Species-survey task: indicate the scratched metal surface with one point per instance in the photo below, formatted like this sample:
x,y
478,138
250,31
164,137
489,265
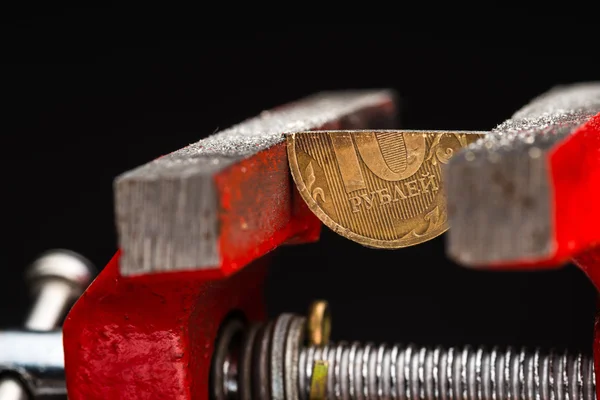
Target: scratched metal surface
x,y
166,210
498,189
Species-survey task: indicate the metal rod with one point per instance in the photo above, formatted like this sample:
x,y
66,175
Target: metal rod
x,y
57,278
365,372
380,372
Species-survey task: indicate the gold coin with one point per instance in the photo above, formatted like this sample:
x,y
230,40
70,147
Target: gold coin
x,y
382,189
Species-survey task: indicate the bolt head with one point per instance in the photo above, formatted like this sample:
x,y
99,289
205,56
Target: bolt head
x,y
60,264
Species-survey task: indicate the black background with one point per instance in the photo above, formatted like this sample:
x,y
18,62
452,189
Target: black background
x,y
89,94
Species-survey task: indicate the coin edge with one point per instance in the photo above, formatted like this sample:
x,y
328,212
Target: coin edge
x,y
335,226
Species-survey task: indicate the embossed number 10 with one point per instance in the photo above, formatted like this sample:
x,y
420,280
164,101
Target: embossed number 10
x,y
392,156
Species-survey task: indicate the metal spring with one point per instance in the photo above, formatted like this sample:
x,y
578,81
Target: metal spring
x,y
365,372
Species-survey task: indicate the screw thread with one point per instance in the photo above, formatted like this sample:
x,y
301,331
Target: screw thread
x,y
365,372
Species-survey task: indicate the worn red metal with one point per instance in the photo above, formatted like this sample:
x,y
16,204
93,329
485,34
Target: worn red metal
x,y
152,336
589,262
575,166
575,172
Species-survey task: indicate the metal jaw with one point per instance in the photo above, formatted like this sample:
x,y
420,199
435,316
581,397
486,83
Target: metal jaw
x,y
524,194
169,211
195,228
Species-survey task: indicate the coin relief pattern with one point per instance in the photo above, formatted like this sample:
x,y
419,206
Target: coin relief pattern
x,y
382,189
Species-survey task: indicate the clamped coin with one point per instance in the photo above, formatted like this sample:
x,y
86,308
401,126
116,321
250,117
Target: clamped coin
x,y
178,312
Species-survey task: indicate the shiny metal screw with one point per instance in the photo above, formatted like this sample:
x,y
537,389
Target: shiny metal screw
x,y
56,278
376,372
300,370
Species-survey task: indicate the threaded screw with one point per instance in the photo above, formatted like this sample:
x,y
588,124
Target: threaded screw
x,y
366,372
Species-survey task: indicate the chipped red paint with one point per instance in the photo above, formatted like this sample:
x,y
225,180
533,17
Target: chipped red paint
x,y
257,209
575,166
152,337
589,262
575,173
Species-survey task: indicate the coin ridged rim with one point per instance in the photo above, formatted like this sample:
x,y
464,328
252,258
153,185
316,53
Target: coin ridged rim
x,y
335,226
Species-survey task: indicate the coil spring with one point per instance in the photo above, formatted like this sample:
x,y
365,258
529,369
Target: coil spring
x,y
365,372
